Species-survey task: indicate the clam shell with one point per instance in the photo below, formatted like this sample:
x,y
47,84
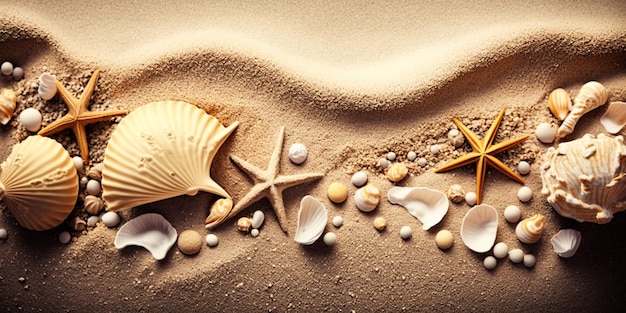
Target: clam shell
x,y
161,150
429,206
8,101
39,183
614,119
312,219
591,95
559,103
479,228
151,231
565,243
529,230
367,197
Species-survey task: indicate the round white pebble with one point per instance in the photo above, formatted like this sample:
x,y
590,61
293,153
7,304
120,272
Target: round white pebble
x,y
512,213
6,68
258,217
18,73
337,221
529,260
359,179
383,162
411,156
78,163
500,250
525,194
490,262
3,234
211,240
406,232
434,149
297,153
93,187
422,162
65,237
93,220
545,133
523,167
391,156
31,119
254,232
470,198
330,239
516,255
110,219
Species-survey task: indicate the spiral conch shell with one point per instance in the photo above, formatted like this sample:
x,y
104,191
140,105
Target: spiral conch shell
x,y
39,183
162,150
584,179
591,95
529,230
559,103
8,101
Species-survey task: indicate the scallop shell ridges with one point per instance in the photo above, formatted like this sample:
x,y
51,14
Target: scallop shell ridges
x,y
162,150
8,101
566,242
151,231
614,119
427,205
559,103
479,228
312,219
529,230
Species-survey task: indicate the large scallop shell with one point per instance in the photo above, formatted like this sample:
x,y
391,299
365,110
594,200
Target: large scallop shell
x,y
479,228
151,231
39,183
591,95
8,101
584,178
614,119
161,150
427,205
559,103
312,219
529,230
566,242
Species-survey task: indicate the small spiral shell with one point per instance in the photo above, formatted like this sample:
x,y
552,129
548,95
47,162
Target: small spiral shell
x,y
93,205
367,197
559,103
8,101
529,230
591,95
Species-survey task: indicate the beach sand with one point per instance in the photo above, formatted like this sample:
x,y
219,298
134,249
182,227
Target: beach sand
x,y
352,81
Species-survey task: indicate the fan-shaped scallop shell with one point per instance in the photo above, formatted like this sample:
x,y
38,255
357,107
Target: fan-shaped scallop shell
x,y
8,101
584,178
312,219
566,242
559,103
529,230
427,205
151,231
591,95
614,119
39,183
161,150
479,228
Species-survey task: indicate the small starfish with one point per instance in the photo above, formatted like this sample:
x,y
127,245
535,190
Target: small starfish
x,y
268,184
78,116
482,154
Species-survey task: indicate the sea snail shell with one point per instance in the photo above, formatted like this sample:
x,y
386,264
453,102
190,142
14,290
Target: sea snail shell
x,y
367,197
529,230
8,101
591,95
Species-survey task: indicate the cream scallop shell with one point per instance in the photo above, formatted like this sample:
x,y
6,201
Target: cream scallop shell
x,y
529,230
312,219
161,150
8,101
39,183
614,119
591,95
566,242
427,205
559,103
479,228
151,231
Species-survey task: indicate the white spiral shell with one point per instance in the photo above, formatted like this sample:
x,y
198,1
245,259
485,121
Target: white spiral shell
x,y
591,95
529,230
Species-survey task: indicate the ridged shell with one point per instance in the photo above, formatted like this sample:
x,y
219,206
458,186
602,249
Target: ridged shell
x,y
312,219
397,172
427,205
479,228
367,197
559,103
8,101
93,205
529,230
161,150
47,86
584,179
614,119
566,242
151,231
39,183
591,95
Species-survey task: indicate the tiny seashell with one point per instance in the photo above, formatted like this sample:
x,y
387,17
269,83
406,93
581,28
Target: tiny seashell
x,y
397,172
591,95
8,101
257,219
312,219
367,197
220,207
529,230
78,224
614,119
93,205
559,103
95,171
359,179
429,206
47,86
380,223
456,193
298,153
31,119
244,224
151,231
479,228
566,242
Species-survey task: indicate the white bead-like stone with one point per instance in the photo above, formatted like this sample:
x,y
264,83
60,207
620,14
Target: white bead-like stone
x,y
330,239
78,163
383,163
93,187
359,179
110,219
211,240
422,162
337,221
529,260
523,167
65,237
525,194
516,255
406,232
255,232
411,156
391,156
512,213
31,119
545,133
490,262
257,219
298,153
500,250
93,220
6,68
470,198
18,73
434,149
3,234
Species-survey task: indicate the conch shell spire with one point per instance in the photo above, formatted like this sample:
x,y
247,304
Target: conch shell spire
x,y
591,95
529,230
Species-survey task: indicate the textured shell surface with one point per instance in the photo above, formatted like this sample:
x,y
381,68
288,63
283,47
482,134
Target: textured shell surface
x,y
47,86
162,150
151,231
584,179
397,172
566,242
559,103
479,228
39,183
367,197
614,119
529,230
429,206
592,95
312,219
8,101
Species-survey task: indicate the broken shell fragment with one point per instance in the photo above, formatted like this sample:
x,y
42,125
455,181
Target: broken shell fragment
x,y
78,224
367,197
456,193
429,206
529,230
559,103
151,231
397,172
312,219
8,101
566,242
479,228
614,119
591,95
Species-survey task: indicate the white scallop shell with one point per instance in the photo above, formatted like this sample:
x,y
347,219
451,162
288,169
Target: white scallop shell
x,y
614,119
47,86
8,101
479,228
429,206
39,183
151,231
565,243
161,150
591,95
312,219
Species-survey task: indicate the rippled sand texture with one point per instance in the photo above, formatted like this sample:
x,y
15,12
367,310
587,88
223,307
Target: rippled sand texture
x,y
352,81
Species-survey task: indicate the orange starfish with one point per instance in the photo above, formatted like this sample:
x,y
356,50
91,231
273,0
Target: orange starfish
x,y
78,116
482,154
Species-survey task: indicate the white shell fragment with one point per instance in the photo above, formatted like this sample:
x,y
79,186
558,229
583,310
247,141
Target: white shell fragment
x,y
312,219
545,133
367,197
151,231
31,119
614,119
479,228
566,242
257,219
429,206
110,219
298,153
591,95
47,86
359,179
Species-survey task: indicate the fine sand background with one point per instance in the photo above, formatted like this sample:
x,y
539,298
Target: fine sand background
x,y
352,81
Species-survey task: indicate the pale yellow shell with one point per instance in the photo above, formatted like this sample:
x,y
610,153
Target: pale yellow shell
x,y
529,230
162,150
39,183
591,95
397,172
8,101
559,103
93,205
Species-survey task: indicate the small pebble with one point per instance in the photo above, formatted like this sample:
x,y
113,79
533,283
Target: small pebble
x,y
297,153
65,237
31,119
456,193
545,133
512,213
434,149
359,179
110,219
6,68
444,239
211,240
455,137
422,162
500,250
18,73
93,220
258,217
330,239
254,232
525,194
523,167
470,198
516,255
3,234
411,156
78,163
189,242
391,156
83,181
337,221
529,260
380,223
93,187
383,163
337,192
490,262
406,232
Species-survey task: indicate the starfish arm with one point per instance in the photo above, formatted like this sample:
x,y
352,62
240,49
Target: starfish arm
x,y
469,135
505,145
491,133
252,171
256,193
276,199
88,91
284,182
81,139
100,116
460,161
481,171
274,166
68,98
60,124
497,164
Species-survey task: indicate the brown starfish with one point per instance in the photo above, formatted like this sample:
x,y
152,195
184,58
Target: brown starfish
x,y
482,154
268,184
78,116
